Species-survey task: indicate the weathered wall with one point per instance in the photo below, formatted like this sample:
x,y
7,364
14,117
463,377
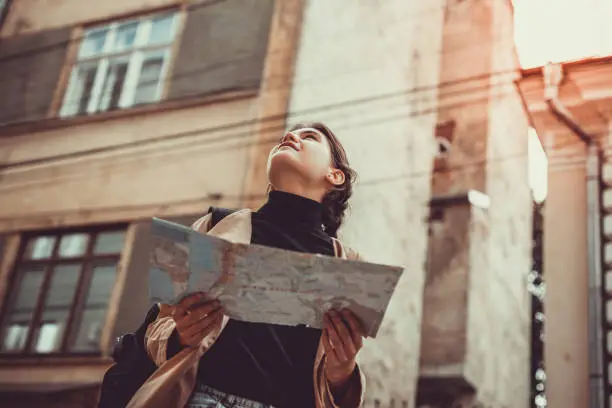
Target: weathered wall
x,y
116,169
33,15
462,121
486,345
357,70
55,374
500,355
33,71
129,167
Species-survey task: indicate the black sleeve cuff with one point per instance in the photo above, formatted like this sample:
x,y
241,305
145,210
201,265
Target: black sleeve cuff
x,y
174,345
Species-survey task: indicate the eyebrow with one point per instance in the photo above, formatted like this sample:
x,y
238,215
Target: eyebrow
x,y
311,130
303,130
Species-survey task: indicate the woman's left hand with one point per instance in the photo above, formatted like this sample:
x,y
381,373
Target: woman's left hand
x,y
342,339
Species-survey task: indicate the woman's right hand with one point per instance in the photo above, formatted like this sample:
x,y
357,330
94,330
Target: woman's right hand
x,y
195,318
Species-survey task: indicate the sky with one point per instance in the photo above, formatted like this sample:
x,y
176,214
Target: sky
x,y
561,30
558,31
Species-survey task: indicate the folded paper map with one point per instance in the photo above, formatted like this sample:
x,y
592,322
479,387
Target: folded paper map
x,y
263,284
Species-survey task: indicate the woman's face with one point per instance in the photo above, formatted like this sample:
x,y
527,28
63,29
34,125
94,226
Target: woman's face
x,y
305,152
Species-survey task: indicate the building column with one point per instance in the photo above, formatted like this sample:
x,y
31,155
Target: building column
x,y
566,339
274,95
475,329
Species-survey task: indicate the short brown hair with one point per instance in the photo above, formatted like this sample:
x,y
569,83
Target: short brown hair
x,y
335,202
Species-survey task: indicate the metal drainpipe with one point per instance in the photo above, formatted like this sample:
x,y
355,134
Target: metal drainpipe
x,y
553,75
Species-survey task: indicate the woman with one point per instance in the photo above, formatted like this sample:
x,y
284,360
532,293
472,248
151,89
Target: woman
x,y
241,364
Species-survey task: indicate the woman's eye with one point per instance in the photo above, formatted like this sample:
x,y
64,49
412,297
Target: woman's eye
x,y
310,137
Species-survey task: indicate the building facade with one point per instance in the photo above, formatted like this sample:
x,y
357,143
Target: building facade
x,y
576,245
115,112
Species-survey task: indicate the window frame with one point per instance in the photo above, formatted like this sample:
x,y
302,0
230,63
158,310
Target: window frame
x,y
135,55
5,6
86,263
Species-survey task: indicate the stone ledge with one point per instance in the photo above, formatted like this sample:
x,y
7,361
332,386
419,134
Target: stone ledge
x,y
441,390
457,235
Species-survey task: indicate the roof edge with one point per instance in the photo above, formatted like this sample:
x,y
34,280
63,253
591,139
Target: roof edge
x,y
537,71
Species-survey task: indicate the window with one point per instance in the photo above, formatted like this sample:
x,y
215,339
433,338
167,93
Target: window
x,y
60,291
120,65
4,6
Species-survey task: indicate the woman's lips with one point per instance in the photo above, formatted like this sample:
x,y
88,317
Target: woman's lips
x,y
289,144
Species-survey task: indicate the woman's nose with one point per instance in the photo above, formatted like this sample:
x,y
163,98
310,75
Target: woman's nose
x,y
290,136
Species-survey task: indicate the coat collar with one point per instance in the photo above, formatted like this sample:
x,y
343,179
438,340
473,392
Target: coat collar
x,y
237,228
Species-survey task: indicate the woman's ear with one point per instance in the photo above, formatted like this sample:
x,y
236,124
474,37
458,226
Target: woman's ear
x,y
336,177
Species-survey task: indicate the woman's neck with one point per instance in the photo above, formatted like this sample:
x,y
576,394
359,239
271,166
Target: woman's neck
x,y
289,183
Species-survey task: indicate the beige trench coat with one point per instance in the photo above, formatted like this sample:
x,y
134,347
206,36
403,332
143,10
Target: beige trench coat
x,y
172,383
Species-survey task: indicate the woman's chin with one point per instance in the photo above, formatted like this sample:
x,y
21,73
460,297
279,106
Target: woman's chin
x,y
283,160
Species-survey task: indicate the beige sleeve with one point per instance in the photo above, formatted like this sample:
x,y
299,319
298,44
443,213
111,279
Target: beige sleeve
x,y
202,225
159,332
354,394
353,255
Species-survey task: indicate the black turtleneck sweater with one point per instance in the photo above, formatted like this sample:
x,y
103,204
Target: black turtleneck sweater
x,y
272,364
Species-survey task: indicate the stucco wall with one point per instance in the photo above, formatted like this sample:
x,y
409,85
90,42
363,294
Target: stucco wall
x,y
500,351
117,166
356,71
485,294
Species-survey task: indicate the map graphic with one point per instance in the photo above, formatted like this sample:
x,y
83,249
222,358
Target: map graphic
x,y
266,285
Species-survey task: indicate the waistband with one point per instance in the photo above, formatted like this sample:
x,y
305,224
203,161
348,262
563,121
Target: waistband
x,y
224,398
